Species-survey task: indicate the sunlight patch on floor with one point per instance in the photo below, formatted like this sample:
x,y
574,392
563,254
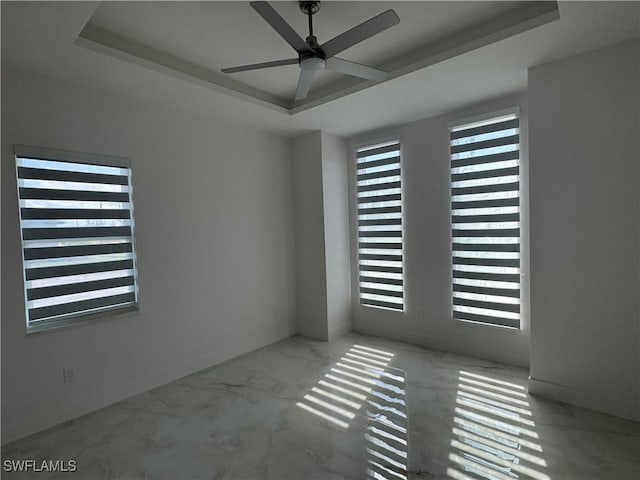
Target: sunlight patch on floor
x,y
494,435
363,377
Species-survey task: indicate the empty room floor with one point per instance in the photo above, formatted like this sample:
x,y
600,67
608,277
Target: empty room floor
x,y
357,407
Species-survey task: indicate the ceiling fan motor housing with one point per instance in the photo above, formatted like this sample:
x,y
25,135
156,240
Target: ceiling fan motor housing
x,y
313,57
314,48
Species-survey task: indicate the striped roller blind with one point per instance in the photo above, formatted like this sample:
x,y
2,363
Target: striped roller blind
x,y
380,226
78,250
485,208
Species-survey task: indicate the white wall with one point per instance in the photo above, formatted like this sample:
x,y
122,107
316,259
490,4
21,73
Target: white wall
x,y
322,235
427,319
585,153
311,276
336,228
214,237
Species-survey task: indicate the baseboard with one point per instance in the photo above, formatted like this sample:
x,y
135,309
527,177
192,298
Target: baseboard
x,y
582,398
440,344
72,410
428,341
339,331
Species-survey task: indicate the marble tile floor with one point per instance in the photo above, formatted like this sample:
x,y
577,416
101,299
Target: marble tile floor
x,y
356,408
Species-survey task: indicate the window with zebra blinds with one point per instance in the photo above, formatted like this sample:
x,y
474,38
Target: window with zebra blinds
x,y
76,218
380,246
485,219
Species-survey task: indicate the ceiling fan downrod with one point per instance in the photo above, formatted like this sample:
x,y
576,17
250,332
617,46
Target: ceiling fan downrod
x,y
313,57
309,8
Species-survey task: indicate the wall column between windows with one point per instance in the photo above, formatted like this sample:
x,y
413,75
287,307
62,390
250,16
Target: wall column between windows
x,y
321,215
427,318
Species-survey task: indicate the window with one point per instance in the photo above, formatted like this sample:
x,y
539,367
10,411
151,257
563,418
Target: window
x,y
485,209
380,226
76,219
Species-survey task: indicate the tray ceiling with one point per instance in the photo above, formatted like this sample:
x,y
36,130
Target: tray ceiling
x,y
197,39
462,64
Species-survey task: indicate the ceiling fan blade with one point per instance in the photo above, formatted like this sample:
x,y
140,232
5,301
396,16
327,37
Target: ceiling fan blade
x,y
274,19
304,83
257,66
363,31
355,69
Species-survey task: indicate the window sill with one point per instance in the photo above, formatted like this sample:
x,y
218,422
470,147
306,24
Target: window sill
x,y
81,320
386,309
485,324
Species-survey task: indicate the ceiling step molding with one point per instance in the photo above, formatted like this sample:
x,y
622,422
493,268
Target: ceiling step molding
x,y
522,18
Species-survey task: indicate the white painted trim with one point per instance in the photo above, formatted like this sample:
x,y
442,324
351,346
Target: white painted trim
x,y
339,331
83,317
529,16
515,350
523,194
602,402
107,43
373,141
484,116
26,151
377,140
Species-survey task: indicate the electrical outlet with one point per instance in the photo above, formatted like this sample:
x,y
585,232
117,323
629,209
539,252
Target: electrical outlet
x,y
67,375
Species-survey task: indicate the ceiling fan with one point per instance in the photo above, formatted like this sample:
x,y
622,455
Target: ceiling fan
x,y
313,57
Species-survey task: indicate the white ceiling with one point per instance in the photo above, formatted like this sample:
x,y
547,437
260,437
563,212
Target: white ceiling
x,y
202,32
40,37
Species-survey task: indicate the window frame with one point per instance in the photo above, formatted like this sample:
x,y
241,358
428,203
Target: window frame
x,y
81,317
523,215
370,144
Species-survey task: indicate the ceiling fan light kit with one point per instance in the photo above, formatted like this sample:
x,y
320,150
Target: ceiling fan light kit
x,y
313,64
313,57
